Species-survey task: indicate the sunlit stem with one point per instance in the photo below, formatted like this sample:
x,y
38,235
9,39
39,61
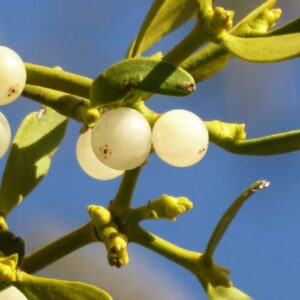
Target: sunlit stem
x,y
56,78
196,38
69,105
122,200
228,216
186,258
60,248
150,115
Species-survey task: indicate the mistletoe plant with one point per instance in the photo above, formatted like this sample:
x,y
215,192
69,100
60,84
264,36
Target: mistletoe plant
x,y
119,133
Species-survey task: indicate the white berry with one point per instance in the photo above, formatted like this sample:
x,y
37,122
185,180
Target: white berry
x,y
88,161
12,75
121,138
5,135
180,138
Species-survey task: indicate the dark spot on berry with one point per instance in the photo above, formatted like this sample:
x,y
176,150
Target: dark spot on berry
x,y
13,90
201,150
105,151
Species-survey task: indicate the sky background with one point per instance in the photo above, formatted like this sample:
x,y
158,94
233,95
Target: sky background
x,y
262,245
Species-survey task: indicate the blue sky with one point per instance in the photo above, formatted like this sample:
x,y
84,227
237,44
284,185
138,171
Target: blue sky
x,y
261,246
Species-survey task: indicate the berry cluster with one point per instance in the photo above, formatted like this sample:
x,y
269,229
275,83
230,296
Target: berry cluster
x,y
12,83
122,140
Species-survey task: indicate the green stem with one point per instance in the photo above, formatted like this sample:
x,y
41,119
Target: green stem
x,y
58,79
69,105
150,115
268,145
122,200
186,258
227,218
60,248
136,215
196,38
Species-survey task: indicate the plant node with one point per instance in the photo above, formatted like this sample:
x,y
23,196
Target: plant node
x,y
8,267
217,20
108,232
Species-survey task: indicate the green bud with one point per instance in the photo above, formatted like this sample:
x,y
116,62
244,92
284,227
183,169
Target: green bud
x,y
218,20
99,215
117,252
169,207
221,131
261,24
90,116
8,267
108,231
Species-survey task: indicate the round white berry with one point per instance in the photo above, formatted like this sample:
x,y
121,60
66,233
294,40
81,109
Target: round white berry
x,y
5,135
88,161
180,138
12,75
121,138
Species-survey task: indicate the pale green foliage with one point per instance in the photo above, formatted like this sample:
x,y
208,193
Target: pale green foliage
x,y
263,49
36,140
140,75
37,288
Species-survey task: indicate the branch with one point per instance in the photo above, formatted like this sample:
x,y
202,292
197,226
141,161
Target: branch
x,y
56,78
60,248
66,104
122,200
186,258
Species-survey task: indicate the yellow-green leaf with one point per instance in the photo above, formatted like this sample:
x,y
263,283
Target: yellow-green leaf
x,y
140,75
36,140
224,293
263,49
207,62
163,17
38,288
